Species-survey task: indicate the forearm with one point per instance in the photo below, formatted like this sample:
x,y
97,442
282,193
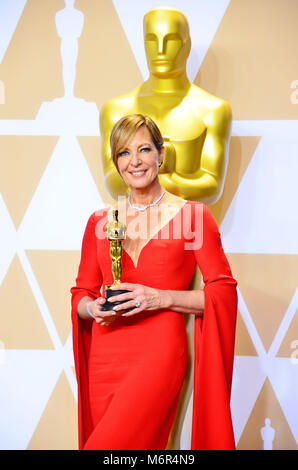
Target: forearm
x,y
204,188
191,302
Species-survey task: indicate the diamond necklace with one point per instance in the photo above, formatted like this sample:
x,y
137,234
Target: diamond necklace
x,y
143,208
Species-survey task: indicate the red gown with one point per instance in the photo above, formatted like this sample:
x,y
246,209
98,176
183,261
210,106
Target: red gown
x,y
130,374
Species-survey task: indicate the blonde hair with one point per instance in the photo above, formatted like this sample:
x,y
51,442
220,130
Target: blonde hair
x,y
125,129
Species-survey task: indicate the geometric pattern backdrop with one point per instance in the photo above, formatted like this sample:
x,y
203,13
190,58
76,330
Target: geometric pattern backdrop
x,y
58,64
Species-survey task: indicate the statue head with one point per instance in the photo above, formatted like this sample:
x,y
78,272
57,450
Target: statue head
x,y
167,41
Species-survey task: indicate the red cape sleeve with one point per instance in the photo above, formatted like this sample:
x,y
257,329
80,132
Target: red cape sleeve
x,y
88,283
214,338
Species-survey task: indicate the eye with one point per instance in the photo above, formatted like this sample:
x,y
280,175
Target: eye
x,y
124,153
146,149
150,37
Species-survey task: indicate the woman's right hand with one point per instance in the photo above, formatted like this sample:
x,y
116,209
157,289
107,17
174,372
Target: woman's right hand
x,y
101,317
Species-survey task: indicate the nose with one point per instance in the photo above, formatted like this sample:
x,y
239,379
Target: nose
x,y
135,161
160,45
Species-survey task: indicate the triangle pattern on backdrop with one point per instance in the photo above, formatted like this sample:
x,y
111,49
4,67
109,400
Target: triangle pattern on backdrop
x,y
241,151
267,407
98,80
64,200
250,85
26,87
259,276
57,428
24,329
18,153
56,273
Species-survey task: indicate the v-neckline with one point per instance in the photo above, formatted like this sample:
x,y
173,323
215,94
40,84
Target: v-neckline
x,y
154,236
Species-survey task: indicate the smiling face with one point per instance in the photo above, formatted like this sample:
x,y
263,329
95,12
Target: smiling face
x,y
167,42
138,162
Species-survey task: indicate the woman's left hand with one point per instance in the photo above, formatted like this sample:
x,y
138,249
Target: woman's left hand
x,y
139,298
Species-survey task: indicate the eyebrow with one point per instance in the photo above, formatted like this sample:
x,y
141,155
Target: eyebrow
x,y
142,145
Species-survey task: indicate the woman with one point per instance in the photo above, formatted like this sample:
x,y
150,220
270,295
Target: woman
x,y
131,361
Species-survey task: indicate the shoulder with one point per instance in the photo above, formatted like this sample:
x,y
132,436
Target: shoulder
x,y
97,216
211,103
95,227
208,98
115,108
202,214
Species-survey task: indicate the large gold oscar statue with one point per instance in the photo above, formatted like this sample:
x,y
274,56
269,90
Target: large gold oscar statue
x,y
195,126
194,123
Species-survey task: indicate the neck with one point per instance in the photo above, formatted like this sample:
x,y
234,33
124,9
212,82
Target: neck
x,y
157,84
143,196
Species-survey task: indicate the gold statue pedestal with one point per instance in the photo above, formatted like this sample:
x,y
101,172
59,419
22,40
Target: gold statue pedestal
x,y
108,306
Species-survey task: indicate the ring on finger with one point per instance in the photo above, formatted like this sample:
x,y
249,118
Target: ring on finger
x,y
137,303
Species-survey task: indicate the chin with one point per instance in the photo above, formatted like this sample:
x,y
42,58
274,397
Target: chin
x,y
140,184
165,71
161,72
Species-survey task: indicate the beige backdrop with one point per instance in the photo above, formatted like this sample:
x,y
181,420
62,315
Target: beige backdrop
x,y
51,181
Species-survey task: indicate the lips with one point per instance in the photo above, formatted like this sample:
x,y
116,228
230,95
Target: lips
x,y
160,62
138,173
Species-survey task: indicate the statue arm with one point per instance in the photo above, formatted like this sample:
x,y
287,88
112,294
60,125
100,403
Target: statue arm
x,y
113,181
206,185
202,188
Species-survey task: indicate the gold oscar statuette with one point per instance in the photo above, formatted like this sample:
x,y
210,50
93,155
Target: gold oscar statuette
x,y
115,232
